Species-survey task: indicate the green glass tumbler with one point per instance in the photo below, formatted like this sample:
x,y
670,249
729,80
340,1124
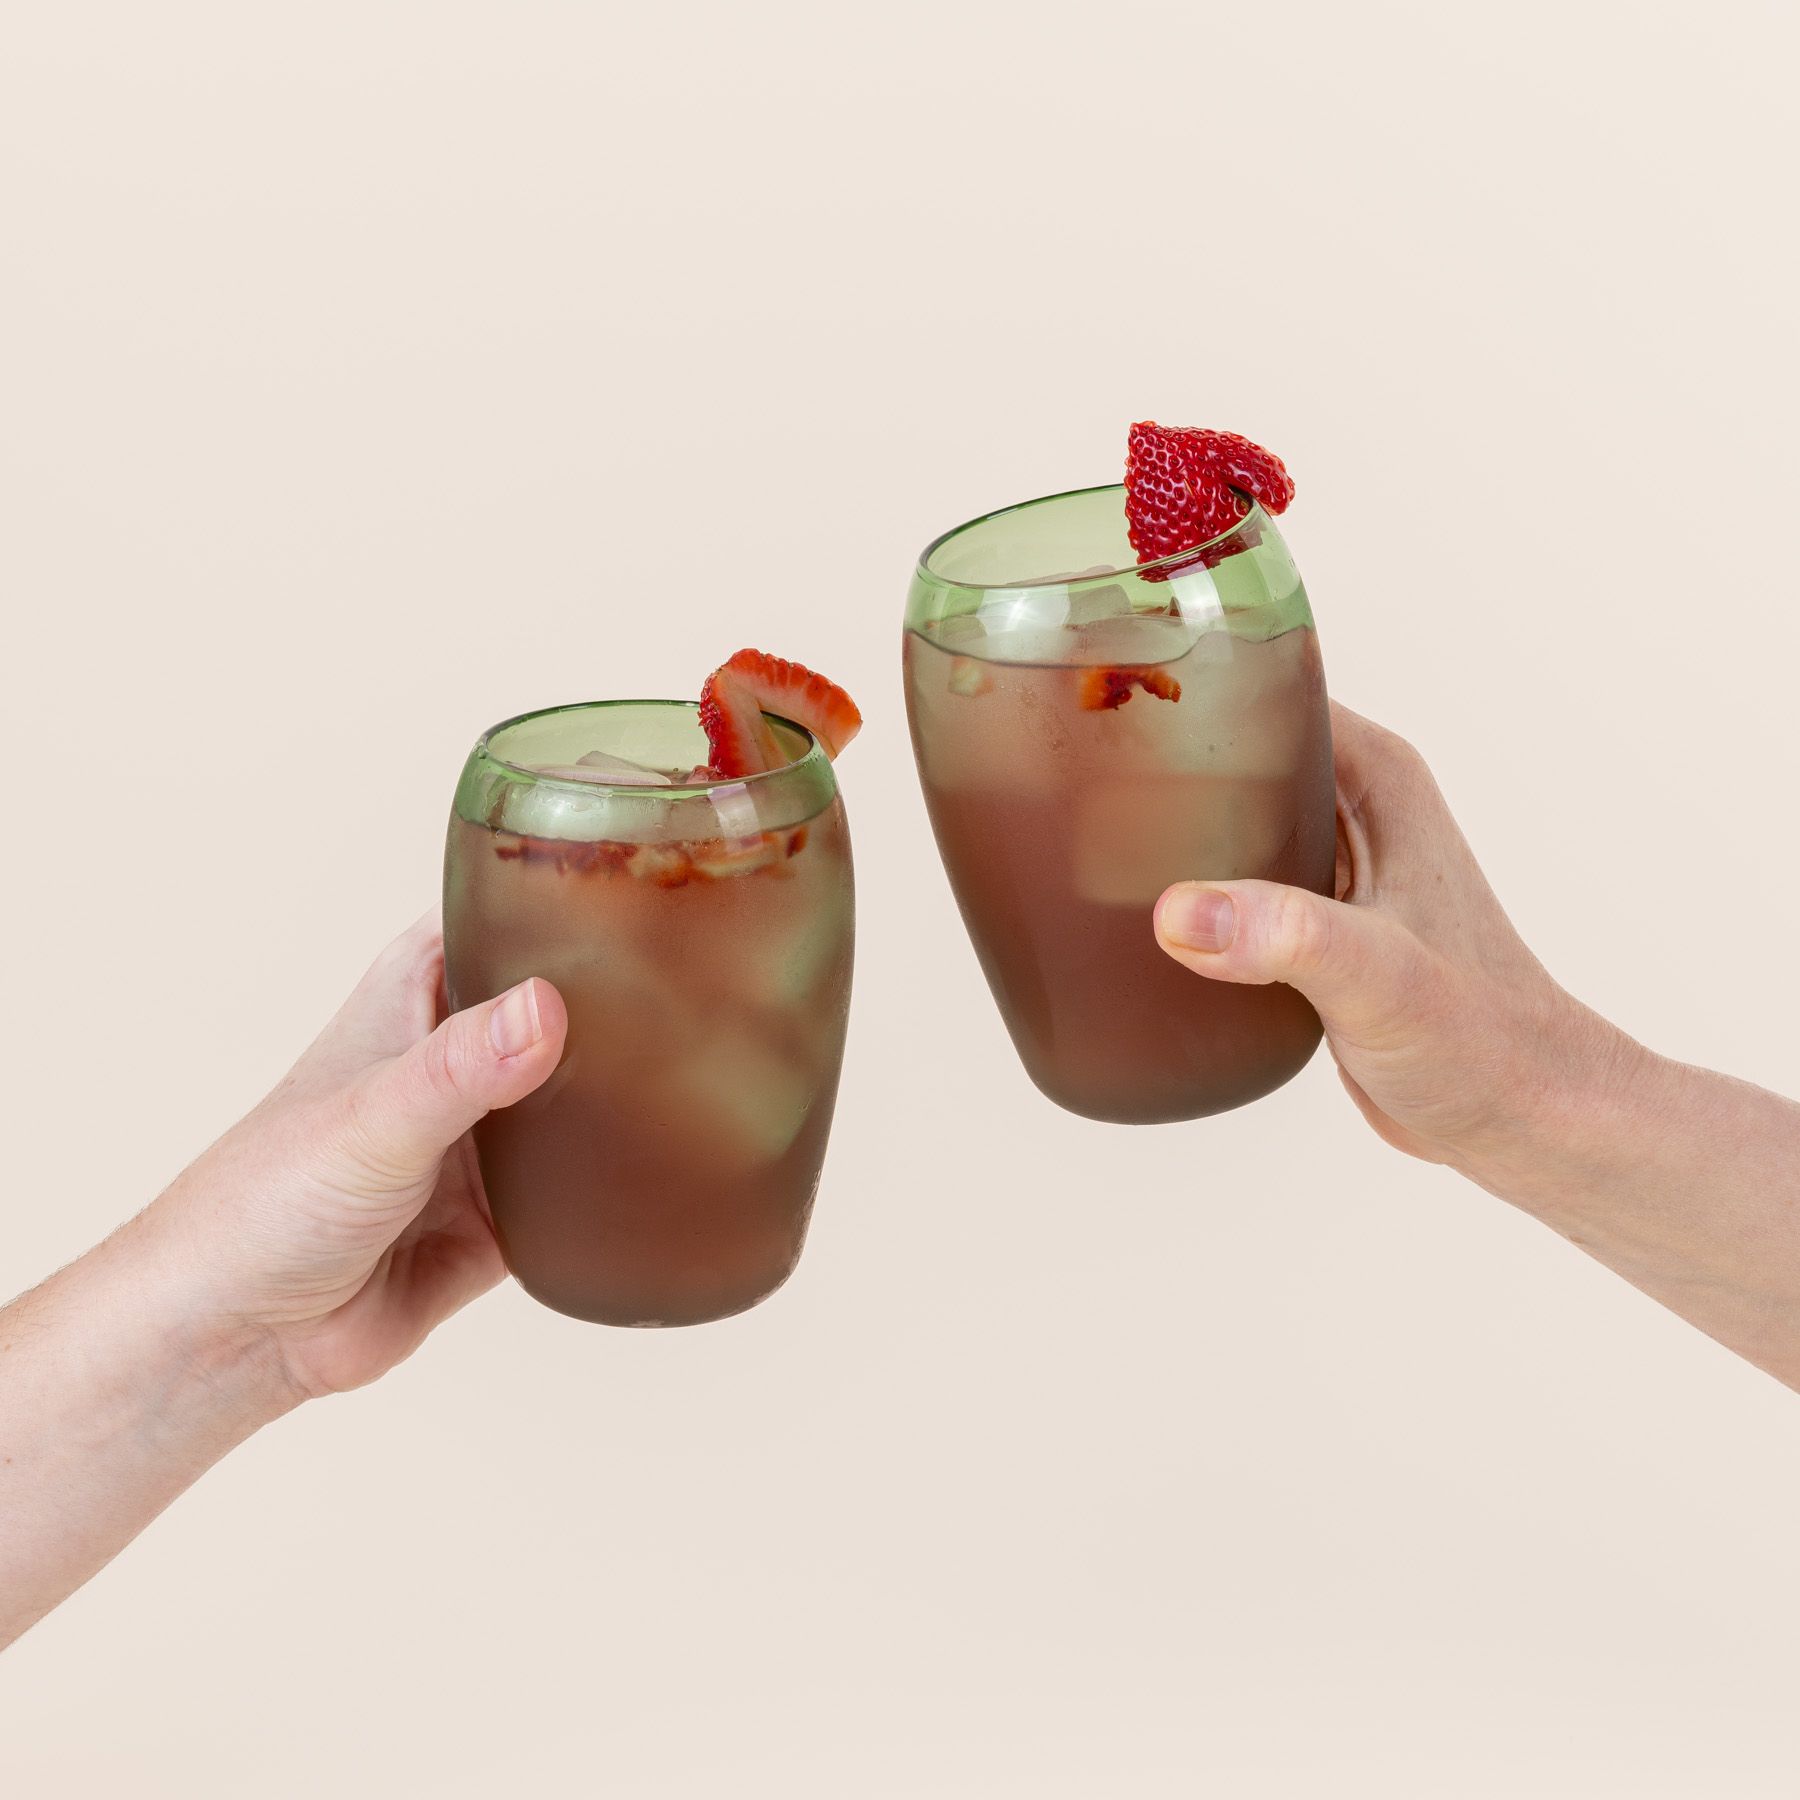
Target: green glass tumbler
x,y
700,934
1089,730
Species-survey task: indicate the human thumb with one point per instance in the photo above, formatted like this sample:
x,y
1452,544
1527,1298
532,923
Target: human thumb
x,y
1360,970
412,1108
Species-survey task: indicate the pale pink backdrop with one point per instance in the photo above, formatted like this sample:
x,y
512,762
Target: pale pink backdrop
x,y
370,372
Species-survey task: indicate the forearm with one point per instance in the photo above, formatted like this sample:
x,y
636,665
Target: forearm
x,y
114,1397
1685,1182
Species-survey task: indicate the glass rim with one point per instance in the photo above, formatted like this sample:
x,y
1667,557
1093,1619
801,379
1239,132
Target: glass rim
x,y
1179,559
814,754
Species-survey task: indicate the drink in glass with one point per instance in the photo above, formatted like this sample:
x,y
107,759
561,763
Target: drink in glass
x,y
699,929
1088,730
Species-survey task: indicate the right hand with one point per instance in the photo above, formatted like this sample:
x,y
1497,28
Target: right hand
x,y
1448,1033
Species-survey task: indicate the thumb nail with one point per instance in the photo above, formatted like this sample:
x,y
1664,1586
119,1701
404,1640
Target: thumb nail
x,y
513,1025
1200,919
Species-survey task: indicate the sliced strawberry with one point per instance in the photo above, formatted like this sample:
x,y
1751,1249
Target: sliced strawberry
x,y
1173,500
1103,690
1248,467
566,855
741,739
1184,486
753,683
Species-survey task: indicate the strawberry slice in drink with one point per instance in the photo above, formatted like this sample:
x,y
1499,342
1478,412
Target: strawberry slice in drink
x,y
1106,690
741,691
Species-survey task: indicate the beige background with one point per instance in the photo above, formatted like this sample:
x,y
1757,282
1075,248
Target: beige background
x,y
373,371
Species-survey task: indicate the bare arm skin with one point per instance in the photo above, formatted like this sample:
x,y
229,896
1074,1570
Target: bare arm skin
x,y
308,1251
319,1242
1459,1048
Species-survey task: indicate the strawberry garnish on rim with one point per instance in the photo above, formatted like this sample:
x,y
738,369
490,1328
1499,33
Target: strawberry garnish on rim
x,y
742,741
740,691
1184,485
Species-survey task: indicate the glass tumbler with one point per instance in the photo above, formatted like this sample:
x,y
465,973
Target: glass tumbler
x,y
1089,730
700,935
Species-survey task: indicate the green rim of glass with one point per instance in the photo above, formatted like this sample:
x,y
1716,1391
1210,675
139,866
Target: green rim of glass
x,y
1179,560
811,759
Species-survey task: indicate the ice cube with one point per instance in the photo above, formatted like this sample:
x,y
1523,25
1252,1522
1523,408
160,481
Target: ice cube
x,y
1214,645
743,1098
719,859
667,865
1028,625
534,809
1130,640
792,959
735,812
1133,839
1106,602
958,629
1073,575
599,812
969,677
1251,712
637,1020
597,765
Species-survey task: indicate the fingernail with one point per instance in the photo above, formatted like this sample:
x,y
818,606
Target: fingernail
x,y
513,1025
1200,919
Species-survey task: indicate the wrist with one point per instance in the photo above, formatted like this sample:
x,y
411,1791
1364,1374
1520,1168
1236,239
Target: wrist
x,y
220,1367
117,1391
1574,1118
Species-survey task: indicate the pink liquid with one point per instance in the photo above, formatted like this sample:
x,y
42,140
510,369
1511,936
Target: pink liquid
x,y
666,1172
1059,826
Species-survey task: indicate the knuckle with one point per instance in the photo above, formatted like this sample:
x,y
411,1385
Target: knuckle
x,y
1407,782
411,969
1302,931
392,960
420,984
414,956
354,1126
1402,752
445,1062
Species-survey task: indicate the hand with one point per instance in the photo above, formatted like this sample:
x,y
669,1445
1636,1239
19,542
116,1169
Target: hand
x,y
310,1249
1459,1048
343,1218
1448,1033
